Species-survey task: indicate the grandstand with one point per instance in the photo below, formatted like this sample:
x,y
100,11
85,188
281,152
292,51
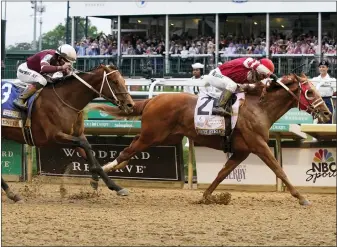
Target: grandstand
x,y
175,37
166,43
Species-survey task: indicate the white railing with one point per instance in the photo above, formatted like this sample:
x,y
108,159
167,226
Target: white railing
x,y
221,53
159,84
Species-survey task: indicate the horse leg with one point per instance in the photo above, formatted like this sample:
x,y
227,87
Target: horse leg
x,y
94,176
94,165
138,144
267,157
78,130
9,193
124,158
230,165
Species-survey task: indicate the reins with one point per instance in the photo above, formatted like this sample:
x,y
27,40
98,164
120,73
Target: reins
x,y
105,80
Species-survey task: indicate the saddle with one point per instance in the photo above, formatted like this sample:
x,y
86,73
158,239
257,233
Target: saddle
x,y
207,123
11,116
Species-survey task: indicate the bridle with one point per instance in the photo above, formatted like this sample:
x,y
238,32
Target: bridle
x,y
114,101
312,106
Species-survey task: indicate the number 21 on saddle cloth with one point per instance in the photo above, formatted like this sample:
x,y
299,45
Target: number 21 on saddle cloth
x,y
208,124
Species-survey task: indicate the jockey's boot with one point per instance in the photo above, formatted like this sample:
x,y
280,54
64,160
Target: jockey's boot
x,y
223,100
20,102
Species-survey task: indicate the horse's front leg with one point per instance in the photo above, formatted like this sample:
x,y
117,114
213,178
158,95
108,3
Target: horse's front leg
x,y
267,157
93,163
79,131
94,176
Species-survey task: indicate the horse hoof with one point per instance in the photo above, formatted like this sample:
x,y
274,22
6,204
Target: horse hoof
x,y
94,184
123,192
305,203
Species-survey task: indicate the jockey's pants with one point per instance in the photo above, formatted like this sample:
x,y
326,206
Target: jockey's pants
x,y
29,76
219,81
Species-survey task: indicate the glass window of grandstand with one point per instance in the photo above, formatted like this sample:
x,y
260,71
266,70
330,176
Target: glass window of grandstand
x,y
242,34
293,41
142,45
329,41
192,39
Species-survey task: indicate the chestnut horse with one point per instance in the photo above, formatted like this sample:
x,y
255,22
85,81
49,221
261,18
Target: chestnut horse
x,y
57,115
167,118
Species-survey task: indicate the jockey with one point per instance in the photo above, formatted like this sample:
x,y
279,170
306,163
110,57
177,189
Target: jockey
x,y
240,70
198,72
43,62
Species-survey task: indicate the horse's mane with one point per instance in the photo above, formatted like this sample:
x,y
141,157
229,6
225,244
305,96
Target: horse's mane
x,y
253,89
261,89
71,77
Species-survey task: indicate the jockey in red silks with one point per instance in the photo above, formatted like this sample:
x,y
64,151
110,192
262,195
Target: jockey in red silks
x,y
240,70
43,62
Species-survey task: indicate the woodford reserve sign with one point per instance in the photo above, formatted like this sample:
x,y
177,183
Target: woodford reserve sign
x,y
162,163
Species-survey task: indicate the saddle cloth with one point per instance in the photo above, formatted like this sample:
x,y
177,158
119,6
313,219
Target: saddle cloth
x,y
11,116
207,124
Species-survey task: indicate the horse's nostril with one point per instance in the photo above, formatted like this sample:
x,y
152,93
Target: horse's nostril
x,y
326,113
130,105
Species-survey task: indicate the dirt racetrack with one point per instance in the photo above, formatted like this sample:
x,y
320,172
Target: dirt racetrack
x,y
163,217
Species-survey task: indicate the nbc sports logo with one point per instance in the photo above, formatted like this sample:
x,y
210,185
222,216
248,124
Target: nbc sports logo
x,y
140,3
323,165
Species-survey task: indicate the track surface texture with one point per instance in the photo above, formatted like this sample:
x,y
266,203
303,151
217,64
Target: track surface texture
x,y
162,217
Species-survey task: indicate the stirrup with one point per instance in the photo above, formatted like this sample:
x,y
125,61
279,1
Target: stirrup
x,y
22,106
221,112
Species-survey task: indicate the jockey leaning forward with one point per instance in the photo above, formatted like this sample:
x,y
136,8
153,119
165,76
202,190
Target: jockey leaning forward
x,y
43,62
240,70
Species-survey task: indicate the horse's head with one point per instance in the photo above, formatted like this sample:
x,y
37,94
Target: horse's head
x,y
309,99
113,88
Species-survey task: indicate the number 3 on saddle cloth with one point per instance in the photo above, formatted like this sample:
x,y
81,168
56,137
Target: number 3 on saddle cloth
x,y
208,124
11,116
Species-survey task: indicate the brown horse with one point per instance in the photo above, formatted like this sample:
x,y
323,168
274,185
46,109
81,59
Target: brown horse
x,y
57,115
167,118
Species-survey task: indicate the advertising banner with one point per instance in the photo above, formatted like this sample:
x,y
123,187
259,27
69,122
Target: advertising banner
x,y
252,171
11,158
163,163
314,166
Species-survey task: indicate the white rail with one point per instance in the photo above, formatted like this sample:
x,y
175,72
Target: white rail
x,y
158,83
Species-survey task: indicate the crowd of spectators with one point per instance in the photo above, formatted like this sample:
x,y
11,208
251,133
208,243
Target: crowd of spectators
x,y
132,44
101,45
303,44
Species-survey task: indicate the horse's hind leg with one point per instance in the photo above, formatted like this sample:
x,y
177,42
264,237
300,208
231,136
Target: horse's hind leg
x,y
124,157
138,144
267,157
9,193
230,165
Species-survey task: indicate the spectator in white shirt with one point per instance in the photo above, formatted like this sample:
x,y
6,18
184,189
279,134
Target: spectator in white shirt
x,y
198,72
193,49
184,52
325,85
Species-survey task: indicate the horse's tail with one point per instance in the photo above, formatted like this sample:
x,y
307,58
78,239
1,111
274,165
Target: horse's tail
x,y
116,112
